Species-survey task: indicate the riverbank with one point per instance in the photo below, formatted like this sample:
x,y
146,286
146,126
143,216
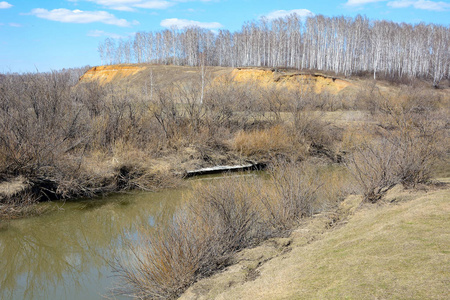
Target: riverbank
x,y
145,127
126,170
396,249
142,127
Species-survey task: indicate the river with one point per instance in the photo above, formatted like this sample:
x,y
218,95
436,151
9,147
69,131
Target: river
x,y
66,254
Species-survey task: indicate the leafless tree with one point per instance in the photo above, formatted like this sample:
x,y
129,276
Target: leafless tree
x,y
339,44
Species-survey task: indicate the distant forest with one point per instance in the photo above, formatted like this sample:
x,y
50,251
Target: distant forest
x,y
342,45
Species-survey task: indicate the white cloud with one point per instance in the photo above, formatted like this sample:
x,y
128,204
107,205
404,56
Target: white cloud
x,y
79,16
15,25
154,4
195,0
115,2
181,23
4,5
101,33
303,13
420,4
122,8
400,4
131,5
361,2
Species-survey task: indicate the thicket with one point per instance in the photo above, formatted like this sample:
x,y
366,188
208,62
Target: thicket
x,y
343,45
403,138
216,221
67,139
411,137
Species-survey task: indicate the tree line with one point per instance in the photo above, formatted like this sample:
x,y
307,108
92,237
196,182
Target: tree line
x,y
343,45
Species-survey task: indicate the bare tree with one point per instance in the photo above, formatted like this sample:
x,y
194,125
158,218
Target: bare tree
x,y
339,44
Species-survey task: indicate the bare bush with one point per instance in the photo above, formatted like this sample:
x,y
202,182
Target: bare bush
x,y
294,194
309,127
407,144
215,222
373,165
277,100
231,208
163,262
405,153
91,95
219,101
39,124
49,128
217,219
419,139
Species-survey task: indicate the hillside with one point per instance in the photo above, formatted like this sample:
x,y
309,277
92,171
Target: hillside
x,y
397,250
139,74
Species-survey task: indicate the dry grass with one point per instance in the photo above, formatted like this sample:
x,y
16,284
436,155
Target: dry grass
x,y
17,200
265,142
397,251
71,140
139,132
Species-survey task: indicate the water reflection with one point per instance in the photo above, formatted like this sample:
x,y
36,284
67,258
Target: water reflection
x,y
65,255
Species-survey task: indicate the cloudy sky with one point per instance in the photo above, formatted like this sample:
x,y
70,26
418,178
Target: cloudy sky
x,y
55,34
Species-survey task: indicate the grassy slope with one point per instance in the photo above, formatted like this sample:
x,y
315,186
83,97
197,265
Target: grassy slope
x,y
394,251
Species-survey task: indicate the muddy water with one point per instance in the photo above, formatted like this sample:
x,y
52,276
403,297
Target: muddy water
x,y
66,254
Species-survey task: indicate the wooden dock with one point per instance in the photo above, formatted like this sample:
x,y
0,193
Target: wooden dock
x,y
224,169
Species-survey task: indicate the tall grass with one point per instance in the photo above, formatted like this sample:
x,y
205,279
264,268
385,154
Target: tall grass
x,y
265,142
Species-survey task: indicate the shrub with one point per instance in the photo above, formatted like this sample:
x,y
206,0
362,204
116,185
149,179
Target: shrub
x,y
215,222
405,153
41,123
373,166
294,194
163,262
217,219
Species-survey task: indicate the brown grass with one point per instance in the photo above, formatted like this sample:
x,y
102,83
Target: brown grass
x,y
396,251
265,142
70,140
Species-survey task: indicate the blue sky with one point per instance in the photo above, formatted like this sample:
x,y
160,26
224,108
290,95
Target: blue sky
x,y
55,34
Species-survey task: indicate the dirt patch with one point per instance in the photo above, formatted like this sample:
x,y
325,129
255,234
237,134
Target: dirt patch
x,y
291,80
264,77
106,74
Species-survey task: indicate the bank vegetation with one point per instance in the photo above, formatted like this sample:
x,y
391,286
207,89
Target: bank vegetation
x,y
61,138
